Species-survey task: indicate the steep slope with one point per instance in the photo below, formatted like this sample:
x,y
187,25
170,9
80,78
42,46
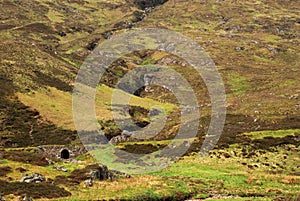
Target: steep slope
x,y
254,45
42,45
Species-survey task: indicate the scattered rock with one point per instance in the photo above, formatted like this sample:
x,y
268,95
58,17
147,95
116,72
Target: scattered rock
x,y
62,34
273,50
168,61
95,174
234,29
88,183
35,178
92,45
115,173
62,169
124,137
107,34
139,15
294,96
1,198
49,161
127,133
26,198
102,173
239,48
172,61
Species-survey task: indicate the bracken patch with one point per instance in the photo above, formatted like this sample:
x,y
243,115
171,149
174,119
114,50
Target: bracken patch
x,y
42,190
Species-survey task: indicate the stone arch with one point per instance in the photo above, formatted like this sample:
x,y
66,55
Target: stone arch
x,y
65,154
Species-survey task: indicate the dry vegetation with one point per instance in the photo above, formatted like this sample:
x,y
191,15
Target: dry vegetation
x,y
255,46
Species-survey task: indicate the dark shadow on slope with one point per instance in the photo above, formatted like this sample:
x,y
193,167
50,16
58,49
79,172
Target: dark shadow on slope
x,y
21,126
235,125
143,4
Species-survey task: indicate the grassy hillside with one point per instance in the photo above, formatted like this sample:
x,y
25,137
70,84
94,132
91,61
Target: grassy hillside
x,y
43,44
255,46
239,172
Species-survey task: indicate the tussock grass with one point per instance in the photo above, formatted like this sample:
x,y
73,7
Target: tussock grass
x,y
56,106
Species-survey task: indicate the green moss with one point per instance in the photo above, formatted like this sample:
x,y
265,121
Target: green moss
x,y
279,133
147,62
239,85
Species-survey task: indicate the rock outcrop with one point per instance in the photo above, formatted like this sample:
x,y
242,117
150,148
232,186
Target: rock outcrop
x,y
35,178
124,137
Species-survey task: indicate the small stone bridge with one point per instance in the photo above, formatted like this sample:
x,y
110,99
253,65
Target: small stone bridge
x,y
62,152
